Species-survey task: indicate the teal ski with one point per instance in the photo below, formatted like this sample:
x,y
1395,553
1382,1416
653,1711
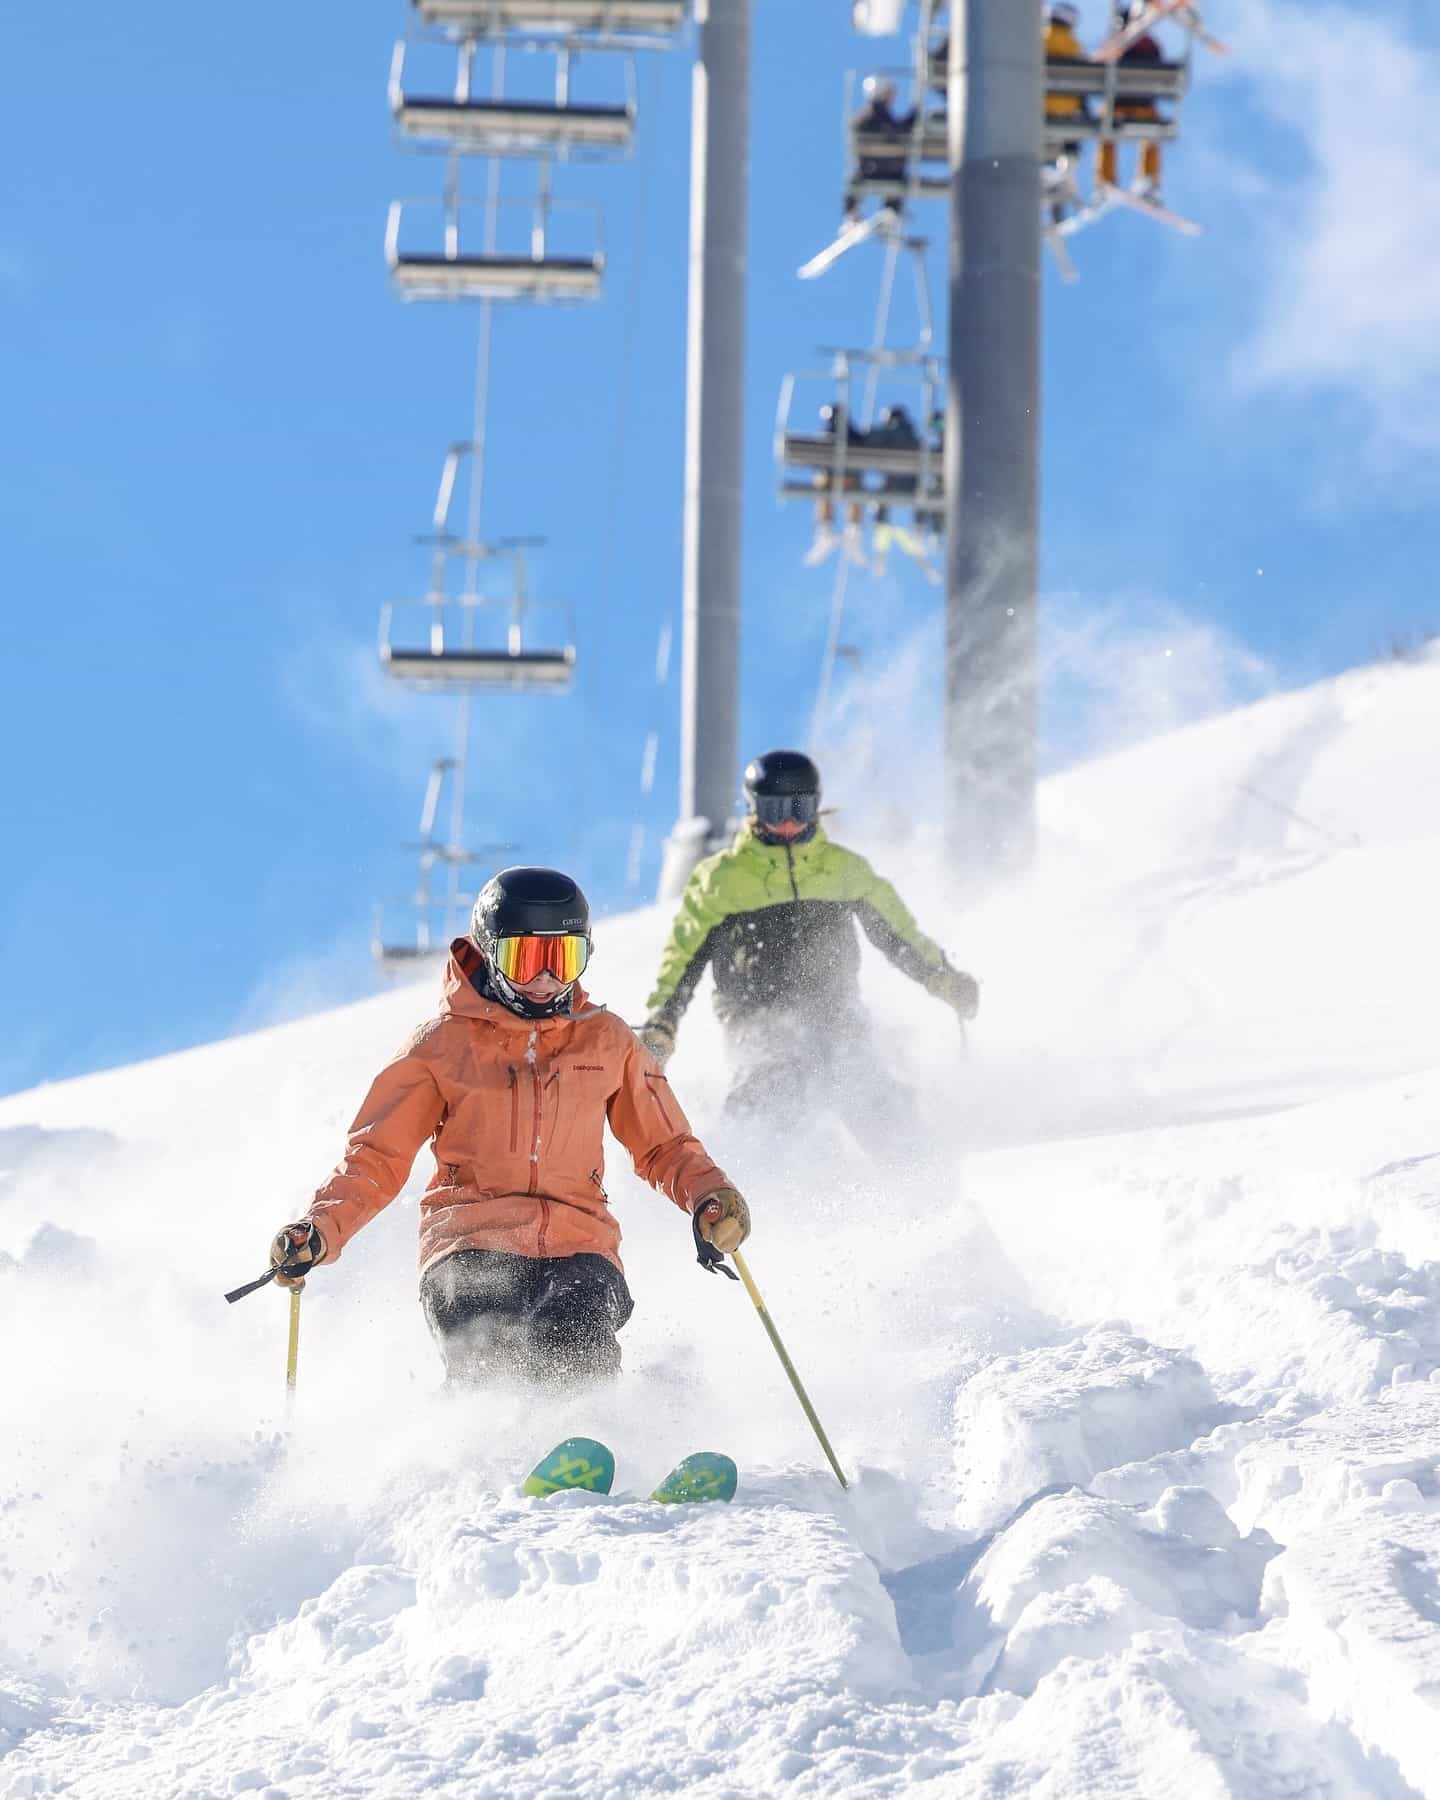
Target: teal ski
x,y
586,1463
577,1463
703,1476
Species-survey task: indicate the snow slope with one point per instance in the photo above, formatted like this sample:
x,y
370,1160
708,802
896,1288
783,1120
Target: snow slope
x,y
1135,1364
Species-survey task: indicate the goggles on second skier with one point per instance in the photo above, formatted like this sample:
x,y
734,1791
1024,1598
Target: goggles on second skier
x,y
562,954
782,809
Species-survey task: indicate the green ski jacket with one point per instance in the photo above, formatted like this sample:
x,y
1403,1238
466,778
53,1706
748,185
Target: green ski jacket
x,y
776,923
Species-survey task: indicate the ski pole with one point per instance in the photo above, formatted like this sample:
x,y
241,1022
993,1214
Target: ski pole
x,y
292,1350
292,1354
787,1365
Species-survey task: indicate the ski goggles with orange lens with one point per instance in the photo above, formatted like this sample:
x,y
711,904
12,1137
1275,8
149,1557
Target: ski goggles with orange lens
x,y
562,954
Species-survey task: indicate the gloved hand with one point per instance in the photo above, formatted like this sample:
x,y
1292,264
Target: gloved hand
x,y
296,1250
958,990
723,1219
658,1037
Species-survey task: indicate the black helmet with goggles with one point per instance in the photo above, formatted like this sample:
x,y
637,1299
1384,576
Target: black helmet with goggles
x,y
782,788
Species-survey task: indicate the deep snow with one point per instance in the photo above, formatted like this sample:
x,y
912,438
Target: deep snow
x,y
1136,1364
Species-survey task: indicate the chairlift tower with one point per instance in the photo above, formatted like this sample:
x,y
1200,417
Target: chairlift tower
x,y
714,437
995,102
999,117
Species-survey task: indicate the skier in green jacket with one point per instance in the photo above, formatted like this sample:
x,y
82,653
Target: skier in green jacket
x,y
774,917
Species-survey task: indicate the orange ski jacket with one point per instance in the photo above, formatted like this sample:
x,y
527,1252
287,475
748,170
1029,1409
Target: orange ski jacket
x,y
514,1110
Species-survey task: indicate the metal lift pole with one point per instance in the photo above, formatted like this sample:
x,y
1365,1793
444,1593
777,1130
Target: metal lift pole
x,y
714,436
992,450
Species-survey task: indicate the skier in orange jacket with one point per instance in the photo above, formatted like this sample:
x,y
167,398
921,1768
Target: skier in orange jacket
x,y
512,1084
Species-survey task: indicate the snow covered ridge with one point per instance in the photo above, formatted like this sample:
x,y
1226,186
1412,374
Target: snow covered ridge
x,y
1134,1364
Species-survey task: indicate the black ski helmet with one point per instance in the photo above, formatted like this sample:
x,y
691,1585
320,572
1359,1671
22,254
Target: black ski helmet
x,y
783,788
782,772
518,902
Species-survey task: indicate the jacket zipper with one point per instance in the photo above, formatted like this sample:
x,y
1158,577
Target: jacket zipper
x,y
514,1108
790,861
534,1187
655,1082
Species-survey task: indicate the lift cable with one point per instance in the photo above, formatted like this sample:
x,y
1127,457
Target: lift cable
x,y
478,431
623,406
894,243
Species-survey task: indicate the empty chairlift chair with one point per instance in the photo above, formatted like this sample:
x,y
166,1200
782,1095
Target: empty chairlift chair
x,y
451,270
440,662
513,127
659,18
439,659
434,917
516,667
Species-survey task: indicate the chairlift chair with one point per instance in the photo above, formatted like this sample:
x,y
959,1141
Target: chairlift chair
x,y
1106,84
497,126
517,670
431,910
1062,132
611,18
927,142
439,658
817,464
397,958
913,160
1123,81
450,273
515,127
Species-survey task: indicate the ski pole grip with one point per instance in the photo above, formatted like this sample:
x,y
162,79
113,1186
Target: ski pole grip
x,y
711,1260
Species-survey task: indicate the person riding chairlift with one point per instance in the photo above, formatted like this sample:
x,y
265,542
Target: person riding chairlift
x,y
1135,109
1062,45
878,116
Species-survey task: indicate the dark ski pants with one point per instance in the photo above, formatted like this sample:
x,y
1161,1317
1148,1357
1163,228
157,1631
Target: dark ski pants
x,y
791,1069
550,1320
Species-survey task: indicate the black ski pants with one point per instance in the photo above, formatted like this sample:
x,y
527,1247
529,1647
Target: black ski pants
x,y
790,1069
550,1320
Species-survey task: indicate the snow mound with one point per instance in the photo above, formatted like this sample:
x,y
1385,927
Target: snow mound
x,y
1175,1716
1360,1606
1406,1196
1062,1413
1385,1452
1077,1576
23,1708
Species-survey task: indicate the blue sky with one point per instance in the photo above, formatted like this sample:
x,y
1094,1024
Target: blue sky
x,y
220,431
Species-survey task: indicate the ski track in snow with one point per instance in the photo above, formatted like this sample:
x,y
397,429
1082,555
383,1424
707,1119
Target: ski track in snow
x,y
1136,1367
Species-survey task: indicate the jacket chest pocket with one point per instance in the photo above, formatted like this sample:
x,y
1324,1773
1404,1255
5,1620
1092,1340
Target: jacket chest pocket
x,y
576,1098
